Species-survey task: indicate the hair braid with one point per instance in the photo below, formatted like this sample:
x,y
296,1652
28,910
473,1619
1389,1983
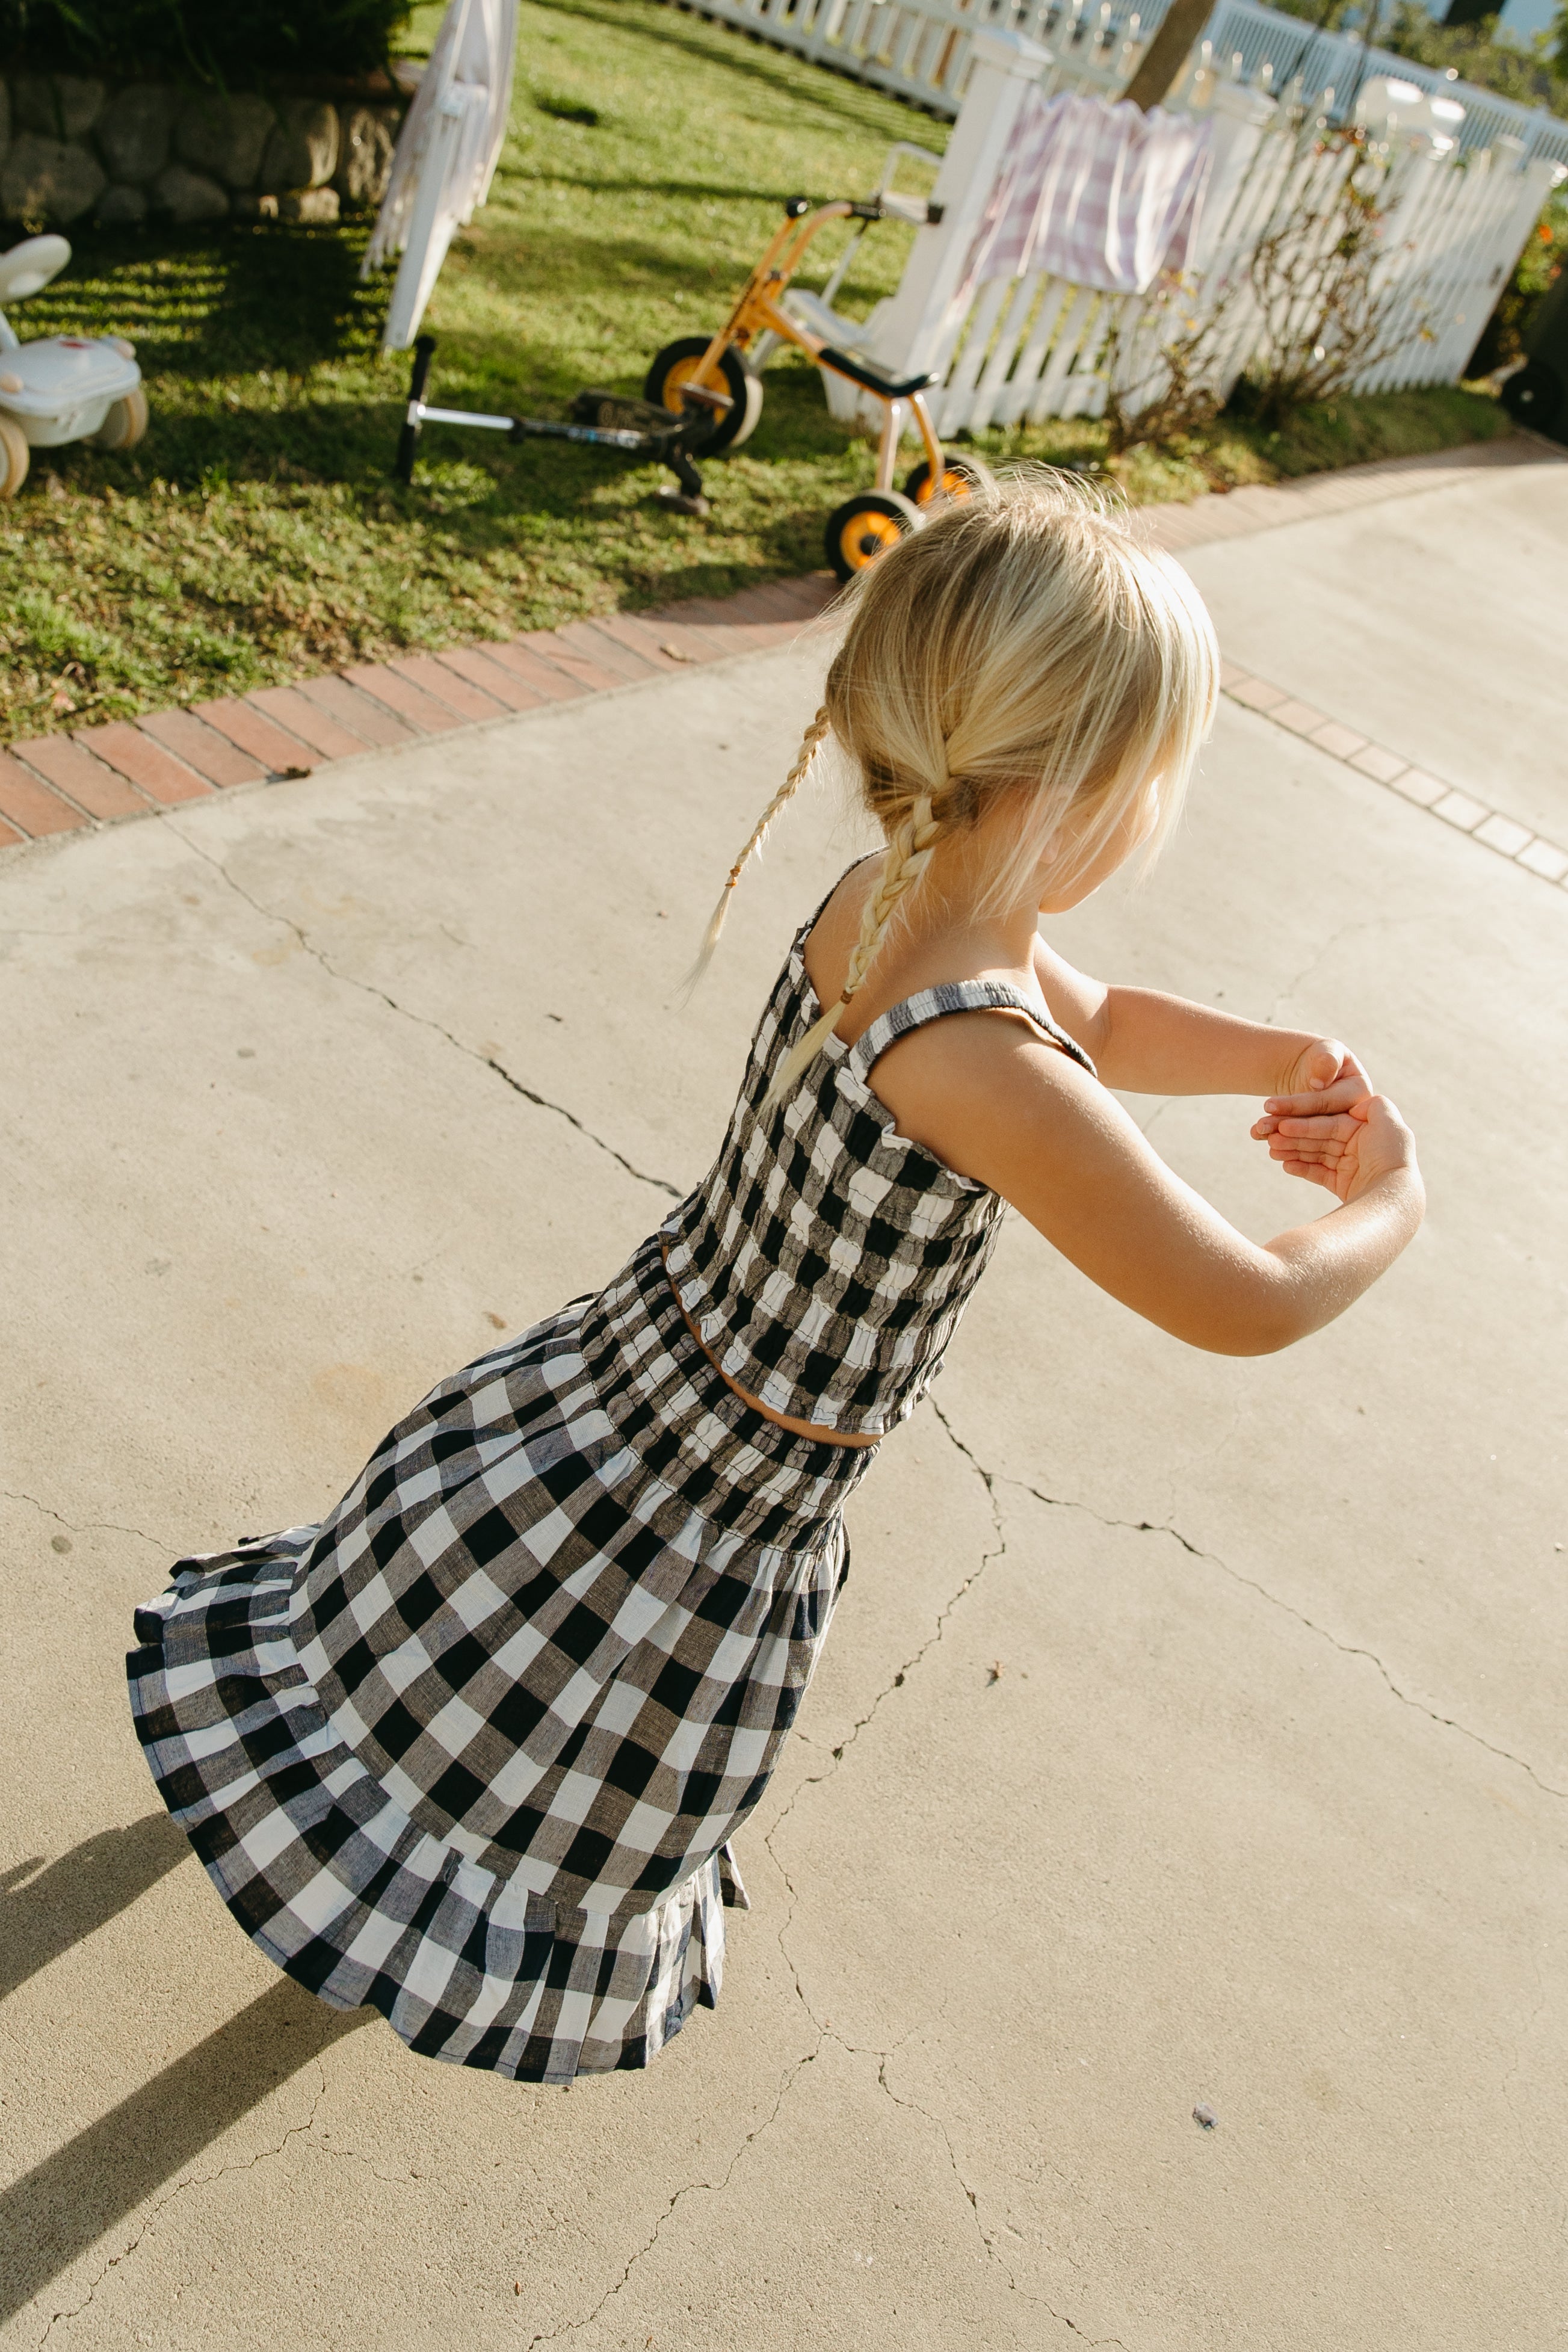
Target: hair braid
x,y
910,847
810,744
909,853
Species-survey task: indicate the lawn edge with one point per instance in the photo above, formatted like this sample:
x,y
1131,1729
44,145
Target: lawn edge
x,y
57,786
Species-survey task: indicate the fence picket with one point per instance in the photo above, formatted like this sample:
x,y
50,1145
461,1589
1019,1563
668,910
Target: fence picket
x,y
1097,47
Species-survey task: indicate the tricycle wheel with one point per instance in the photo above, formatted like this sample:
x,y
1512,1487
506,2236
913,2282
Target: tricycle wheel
x,y
125,423
865,526
961,477
678,363
15,457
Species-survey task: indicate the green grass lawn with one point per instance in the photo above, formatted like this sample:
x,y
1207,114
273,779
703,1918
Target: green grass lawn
x,y
255,536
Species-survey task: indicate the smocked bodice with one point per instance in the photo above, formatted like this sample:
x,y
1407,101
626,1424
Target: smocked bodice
x,y
826,1259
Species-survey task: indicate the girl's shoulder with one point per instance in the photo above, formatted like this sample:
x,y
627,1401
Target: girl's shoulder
x,y
910,965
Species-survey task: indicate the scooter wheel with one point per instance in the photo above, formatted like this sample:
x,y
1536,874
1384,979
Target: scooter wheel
x,y
125,423
865,526
15,457
959,479
678,363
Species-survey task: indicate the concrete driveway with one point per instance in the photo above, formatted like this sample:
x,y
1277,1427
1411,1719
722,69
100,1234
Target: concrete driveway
x,y
1190,1733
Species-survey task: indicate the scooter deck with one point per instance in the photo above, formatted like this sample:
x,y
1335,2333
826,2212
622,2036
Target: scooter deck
x,y
604,420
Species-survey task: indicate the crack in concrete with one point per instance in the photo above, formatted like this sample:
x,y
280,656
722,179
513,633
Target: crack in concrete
x,y
87,1526
571,2326
1299,1616
837,1755
987,2238
825,2032
945,1611
424,1021
993,1482
192,2180
335,2149
1319,955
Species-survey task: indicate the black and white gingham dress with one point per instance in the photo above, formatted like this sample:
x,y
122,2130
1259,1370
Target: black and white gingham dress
x,y
471,1752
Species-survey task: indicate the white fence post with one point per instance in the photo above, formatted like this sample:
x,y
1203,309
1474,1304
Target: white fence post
x,y
1240,117
914,331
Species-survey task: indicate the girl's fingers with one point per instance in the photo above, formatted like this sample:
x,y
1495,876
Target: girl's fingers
x,y
1341,1129
1337,1097
1327,1155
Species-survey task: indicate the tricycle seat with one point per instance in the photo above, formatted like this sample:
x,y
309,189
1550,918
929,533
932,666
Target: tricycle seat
x,y
863,371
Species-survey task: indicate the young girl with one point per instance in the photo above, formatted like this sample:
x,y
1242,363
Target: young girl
x,y
472,1751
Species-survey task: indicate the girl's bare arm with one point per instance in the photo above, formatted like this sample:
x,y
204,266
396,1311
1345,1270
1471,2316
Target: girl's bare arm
x,y
1146,1043
996,1103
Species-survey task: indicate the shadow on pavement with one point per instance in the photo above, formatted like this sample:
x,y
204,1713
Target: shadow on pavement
x,y
56,2211
43,1915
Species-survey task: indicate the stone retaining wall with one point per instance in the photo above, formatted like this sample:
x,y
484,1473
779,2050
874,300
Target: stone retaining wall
x,y
73,150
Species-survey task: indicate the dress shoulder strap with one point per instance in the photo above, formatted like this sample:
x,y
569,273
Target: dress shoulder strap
x,y
954,996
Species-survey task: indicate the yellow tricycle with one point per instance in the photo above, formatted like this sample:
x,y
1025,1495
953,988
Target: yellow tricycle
x,y
727,365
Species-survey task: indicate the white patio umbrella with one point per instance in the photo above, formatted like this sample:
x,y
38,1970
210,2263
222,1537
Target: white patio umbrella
x,y
447,155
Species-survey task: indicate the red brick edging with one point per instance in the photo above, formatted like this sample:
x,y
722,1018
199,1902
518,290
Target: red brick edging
x,y
96,776
67,783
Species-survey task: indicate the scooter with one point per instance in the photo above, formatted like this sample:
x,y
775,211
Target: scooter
x,y
62,387
603,420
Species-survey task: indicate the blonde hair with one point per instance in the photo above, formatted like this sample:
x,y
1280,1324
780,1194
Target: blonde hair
x,y
1026,647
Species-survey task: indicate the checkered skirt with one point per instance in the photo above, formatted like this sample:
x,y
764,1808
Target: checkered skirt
x,y
472,1751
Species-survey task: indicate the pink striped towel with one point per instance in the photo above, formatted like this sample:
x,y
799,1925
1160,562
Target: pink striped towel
x,y
1103,194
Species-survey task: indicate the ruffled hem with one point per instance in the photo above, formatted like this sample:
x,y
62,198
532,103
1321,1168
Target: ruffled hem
x,y
348,1896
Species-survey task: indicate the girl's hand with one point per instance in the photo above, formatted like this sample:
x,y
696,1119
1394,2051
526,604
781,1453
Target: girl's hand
x,y
1325,1076
1345,1150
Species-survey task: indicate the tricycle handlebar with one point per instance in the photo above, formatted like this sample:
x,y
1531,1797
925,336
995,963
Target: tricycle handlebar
x,y
887,206
911,208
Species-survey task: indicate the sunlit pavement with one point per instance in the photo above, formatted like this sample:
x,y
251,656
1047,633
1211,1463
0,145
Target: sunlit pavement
x,y
1191,1732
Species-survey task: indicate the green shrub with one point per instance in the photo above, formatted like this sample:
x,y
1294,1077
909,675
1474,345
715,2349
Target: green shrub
x,y
1529,71
237,44
1533,71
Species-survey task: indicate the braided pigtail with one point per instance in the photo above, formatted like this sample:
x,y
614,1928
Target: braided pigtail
x,y
910,847
811,742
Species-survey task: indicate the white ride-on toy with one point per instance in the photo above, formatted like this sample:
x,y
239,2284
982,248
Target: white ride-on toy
x,y
62,387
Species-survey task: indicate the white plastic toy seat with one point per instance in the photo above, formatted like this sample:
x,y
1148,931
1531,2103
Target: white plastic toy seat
x,y
62,387
58,388
28,267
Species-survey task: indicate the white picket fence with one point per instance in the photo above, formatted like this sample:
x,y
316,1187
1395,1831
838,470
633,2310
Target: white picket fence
x,y
924,50
1016,349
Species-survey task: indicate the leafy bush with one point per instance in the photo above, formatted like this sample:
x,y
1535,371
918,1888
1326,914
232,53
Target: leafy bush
x,y
1528,71
234,44
1322,318
1533,71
